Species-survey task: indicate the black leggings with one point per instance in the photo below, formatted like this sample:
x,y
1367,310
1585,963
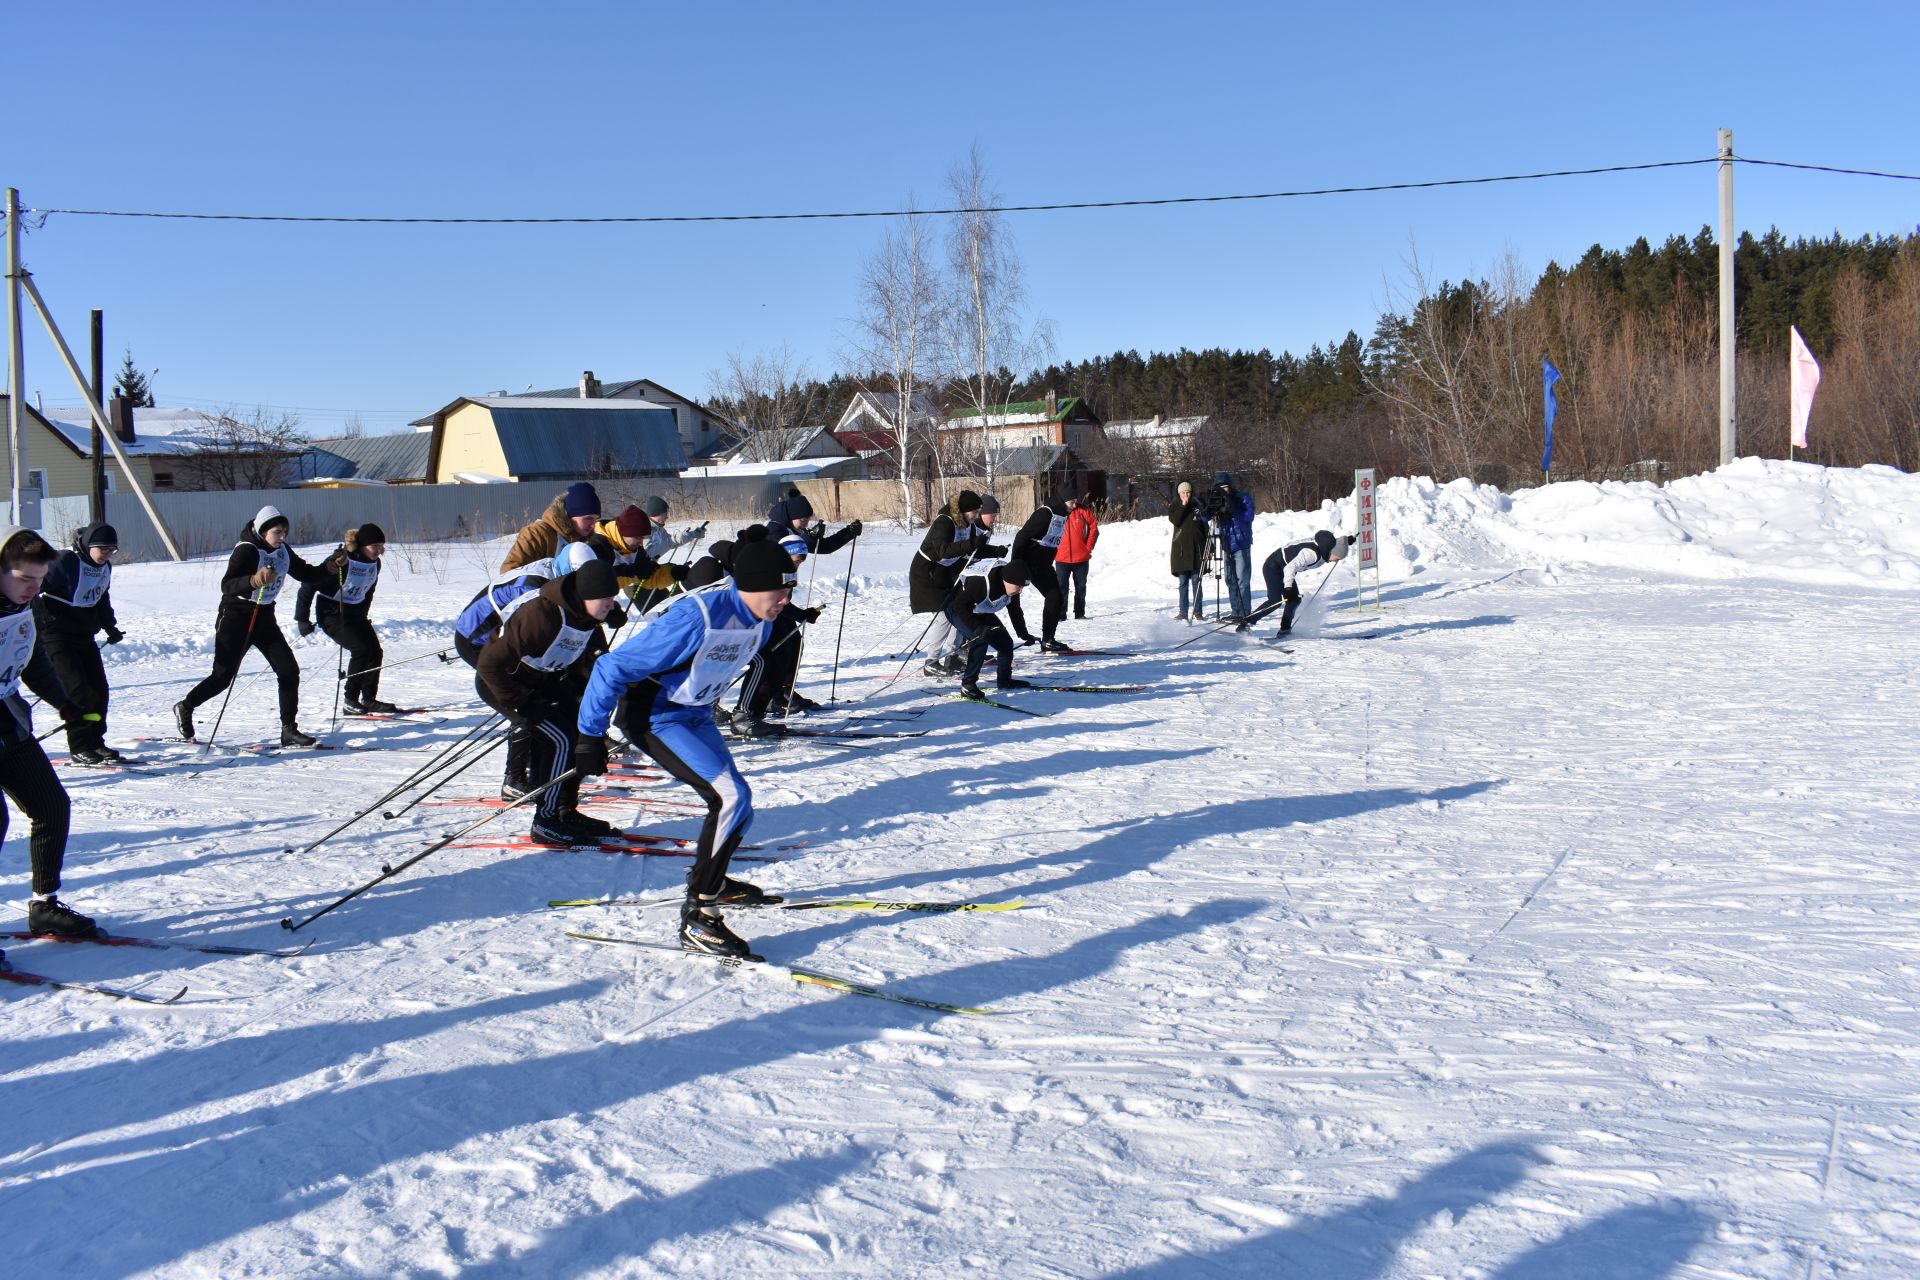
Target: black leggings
x,y
771,675
364,654
76,660
29,782
1047,583
238,628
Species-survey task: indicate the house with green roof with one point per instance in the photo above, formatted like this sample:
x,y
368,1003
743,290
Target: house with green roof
x,y
1053,421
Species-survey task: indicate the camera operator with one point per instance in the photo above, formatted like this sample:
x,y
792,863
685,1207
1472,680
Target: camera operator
x,y
1230,512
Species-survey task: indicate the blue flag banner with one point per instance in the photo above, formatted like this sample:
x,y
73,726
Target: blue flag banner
x,y
1548,376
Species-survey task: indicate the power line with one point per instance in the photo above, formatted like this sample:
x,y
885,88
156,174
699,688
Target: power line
x,y
888,213
1827,168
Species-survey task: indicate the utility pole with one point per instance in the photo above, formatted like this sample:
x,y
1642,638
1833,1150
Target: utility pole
x,y
17,383
99,467
1726,298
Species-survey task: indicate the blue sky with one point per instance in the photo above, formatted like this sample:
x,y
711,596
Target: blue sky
x,y
485,109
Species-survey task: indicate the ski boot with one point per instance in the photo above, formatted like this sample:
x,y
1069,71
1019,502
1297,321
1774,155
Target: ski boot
x,y
740,893
598,827
290,736
702,929
183,721
1013,682
52,917
971,692
559,832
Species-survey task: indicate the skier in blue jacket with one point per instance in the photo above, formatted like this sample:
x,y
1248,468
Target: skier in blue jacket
x,y
671,674
1231,513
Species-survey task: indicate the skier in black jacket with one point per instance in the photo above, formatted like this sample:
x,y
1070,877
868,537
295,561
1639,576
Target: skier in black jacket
x,y
260,565
1035,544
974,609
1283,568
956,537
345,592
76,603
25,775
792,517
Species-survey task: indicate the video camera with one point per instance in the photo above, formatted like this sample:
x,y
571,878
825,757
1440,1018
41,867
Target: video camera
x,y
1213,504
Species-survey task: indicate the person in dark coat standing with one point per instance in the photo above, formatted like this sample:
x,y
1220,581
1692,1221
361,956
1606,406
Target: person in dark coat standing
x,y
260,565
77,602
1189,549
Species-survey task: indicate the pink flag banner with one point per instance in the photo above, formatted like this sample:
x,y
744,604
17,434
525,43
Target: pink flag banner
x,y
1803,381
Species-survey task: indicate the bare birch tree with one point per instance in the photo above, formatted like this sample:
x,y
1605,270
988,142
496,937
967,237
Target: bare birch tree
x,y
985,338
899,326
766,393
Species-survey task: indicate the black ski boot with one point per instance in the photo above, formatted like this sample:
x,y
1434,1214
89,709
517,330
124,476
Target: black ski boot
x,y
599,827
290,736
87,756
934,669
373,706
1013,682
109,755
183,721
702,929
799,702
745,726
971,692
55,918
739,893
560,832
1054,646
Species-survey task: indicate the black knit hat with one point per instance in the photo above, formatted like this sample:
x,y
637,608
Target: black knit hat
x,y
762,566
594,581
967,501
103,535
370,533
1014,571
655,505
797,504
989,506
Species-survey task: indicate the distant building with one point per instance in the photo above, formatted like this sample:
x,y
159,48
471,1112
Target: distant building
x,y
169,449
866,429
1170,439
787,443
390,459
488,439
1069,422
704,433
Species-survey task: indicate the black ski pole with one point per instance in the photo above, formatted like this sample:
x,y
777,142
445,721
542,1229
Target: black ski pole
x,y
475,754
440,653
846,585
411,779
246,642
388,872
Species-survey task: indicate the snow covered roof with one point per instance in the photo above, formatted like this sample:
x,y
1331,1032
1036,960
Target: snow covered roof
x,y
1155,428
804,468
156,431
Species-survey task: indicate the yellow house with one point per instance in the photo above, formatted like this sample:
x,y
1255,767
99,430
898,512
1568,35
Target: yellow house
x,y
489,439
59,457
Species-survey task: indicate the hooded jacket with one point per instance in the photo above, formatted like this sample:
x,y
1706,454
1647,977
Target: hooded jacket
x,y
1076,544
1236,526
542,539
347,561
236,584
77,598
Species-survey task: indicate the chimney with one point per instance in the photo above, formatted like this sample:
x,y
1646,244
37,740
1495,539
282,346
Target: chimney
x,y
1053,403
120,417
589,386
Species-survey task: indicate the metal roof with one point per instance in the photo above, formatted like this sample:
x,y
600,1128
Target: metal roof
x,y
556,438
387,459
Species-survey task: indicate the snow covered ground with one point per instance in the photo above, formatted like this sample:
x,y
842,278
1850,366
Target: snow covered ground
x,y
1567,927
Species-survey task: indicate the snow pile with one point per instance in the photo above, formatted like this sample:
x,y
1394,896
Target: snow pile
x,y
1754,518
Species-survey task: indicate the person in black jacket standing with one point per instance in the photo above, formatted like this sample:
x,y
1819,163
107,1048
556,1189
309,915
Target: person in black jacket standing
x,y
76,603
260,565
25,776
1189,551
345,590
1035,544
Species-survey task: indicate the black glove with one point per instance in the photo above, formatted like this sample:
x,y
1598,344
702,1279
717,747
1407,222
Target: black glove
x,y
855,528
616,618
680,571
810,615
114,635
73,715
305,626
589,755
992,551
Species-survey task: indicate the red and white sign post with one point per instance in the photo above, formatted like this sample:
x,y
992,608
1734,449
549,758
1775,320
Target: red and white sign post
x,y
1366,545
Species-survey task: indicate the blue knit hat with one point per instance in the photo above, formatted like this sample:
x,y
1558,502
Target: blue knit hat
x,y
582,500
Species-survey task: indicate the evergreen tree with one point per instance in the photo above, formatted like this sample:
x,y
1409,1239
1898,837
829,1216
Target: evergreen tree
x,y
133,384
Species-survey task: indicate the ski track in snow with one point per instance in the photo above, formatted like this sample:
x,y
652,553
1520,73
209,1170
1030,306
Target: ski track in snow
x,y
1566,928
